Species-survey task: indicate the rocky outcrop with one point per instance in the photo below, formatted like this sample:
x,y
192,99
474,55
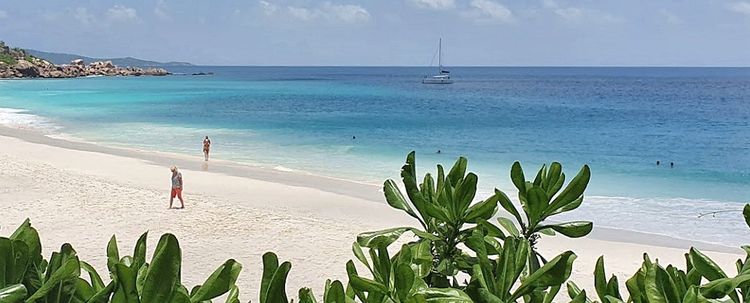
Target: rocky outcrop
x,y
18,64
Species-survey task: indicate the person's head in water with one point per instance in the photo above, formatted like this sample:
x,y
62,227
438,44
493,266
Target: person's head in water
x,y
658,162
671,164
354,137
438,151
206,138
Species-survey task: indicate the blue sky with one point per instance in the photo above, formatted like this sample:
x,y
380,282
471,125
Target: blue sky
x,y
389,32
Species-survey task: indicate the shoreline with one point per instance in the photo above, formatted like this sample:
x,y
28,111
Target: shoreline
x,y
83,193
361,190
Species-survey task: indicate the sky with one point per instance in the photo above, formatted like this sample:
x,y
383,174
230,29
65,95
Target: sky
x,y
389,32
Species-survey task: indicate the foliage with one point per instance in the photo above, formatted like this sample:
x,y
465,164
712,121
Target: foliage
x,y
27,277
7,59
455,241
701,281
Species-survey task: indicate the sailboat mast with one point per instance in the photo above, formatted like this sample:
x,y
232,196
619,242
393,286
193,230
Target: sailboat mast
x,y
440,55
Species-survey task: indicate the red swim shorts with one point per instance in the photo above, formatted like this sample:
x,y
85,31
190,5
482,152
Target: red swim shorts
x,y
176,192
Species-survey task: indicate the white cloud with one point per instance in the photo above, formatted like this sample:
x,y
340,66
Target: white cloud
x,y
578,14
490,9
120,13
301,13
3,14
435,4
160,10
268,8
348,13
82,15
740,7
670,17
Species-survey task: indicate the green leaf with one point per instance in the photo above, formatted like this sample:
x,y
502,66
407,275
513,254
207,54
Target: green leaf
x,y
444,295
139,253
746,214
67,272
536,202
509,226
507,204
600,279
367,285
483,210
306,296
96,280
516,175
220,281
574,229
573,191
458,171
555,272
386,237
335,293
13,294
705,266
396,199
163,273
113,254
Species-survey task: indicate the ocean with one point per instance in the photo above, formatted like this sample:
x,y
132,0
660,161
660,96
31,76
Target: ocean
x,y
359,123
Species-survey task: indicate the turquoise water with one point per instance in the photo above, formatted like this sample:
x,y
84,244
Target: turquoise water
x,y
620,121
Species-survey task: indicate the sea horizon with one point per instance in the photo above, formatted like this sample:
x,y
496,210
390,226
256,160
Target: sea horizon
x,y
305,119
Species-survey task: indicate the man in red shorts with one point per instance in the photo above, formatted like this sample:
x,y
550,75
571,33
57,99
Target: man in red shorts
x,y
176,187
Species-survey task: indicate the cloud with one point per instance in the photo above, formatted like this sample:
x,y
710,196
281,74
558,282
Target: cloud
x,y
268,8
670,17
435,4
491,10
120,13
82,15
740,7
3,14
160,10
348,13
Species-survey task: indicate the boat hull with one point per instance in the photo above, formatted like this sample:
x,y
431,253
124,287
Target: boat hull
x,y
437,81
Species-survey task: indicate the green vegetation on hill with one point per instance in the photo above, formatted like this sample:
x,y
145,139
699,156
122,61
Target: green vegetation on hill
x,y
462,252
7,59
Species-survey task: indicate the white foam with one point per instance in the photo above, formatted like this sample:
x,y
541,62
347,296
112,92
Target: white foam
x,y
21,119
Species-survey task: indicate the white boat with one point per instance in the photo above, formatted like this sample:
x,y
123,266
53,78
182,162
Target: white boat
x,y
443,76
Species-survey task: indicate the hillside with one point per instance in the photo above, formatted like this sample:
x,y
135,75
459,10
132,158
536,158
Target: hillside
x,y
18,63
62,58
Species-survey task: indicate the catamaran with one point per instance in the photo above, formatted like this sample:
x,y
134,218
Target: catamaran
x,y
443,76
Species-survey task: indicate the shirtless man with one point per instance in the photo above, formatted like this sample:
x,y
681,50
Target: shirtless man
x,y
206,147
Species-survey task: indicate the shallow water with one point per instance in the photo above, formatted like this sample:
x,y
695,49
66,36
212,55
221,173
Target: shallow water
x,y
620,121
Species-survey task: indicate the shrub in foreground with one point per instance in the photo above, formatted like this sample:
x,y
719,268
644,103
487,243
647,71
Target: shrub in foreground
x,y
458,254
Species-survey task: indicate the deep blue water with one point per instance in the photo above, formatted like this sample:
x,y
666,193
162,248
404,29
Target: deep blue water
x,y
620,121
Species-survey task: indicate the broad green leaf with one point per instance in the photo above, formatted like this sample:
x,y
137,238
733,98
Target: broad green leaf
x,y
536,202
96,280
705,266
483,210
516,175
555,272
113,254
396,199
509,226
220,281
574,229
270,266
600,278
163,273
444,295
139,253
67,272
403,280
507,205
335,293
15,293
746,214
306,296
573,191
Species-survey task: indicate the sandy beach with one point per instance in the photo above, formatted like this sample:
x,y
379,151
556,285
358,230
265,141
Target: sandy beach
x,y
83,193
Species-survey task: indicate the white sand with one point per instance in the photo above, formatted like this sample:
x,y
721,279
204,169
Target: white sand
x,y
83,194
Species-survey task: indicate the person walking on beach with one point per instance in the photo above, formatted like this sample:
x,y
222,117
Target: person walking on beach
x,y
176,187
206,147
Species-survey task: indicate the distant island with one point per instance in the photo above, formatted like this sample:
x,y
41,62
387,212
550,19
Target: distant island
x,y
21,63
62,58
